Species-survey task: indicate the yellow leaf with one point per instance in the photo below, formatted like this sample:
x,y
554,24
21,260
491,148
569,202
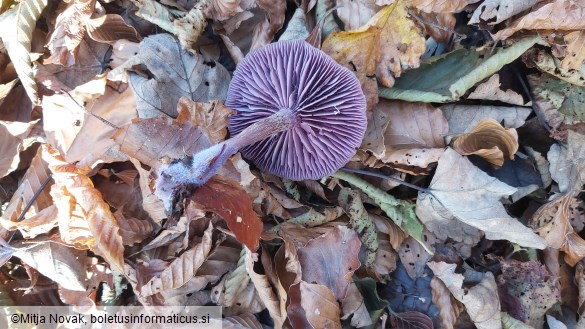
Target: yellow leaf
x,y
387,44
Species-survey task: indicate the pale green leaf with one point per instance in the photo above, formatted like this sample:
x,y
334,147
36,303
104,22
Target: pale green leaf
x,y
400,211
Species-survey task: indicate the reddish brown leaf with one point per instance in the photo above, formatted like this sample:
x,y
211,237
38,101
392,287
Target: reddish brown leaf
x,y
331,259
230,201
411,320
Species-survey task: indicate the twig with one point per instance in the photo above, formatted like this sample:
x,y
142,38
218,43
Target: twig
x,y
104,121
394,179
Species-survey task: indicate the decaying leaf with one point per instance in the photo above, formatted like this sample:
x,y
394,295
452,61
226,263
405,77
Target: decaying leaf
x,y
197,126
175,73
551,221
461,191
449,307
526,290
431,6
462,118
489,140
480,300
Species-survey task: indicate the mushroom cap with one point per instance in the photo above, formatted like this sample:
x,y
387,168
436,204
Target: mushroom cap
x,y
325,98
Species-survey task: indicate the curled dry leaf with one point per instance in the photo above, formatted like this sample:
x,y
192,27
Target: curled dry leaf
x,y
55,261
480,300
449,307
76,198
489,140
197,127
411,320
331,260
406,134
552,222
272,23
230,201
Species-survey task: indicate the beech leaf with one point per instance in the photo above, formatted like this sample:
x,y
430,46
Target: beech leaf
x,y
331,260
22,21
463,192
230,201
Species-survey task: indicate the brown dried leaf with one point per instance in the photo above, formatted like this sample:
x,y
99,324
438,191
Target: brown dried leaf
x,y
481,300
546,18
449,307
182,269
40,223
272,23
490,141
75,196
408,134
551,221
31,183
266,292
353,305
490,90
230,201
320,306
55,261
148,140
575,53
69,31
133,230
110,28
331,259
12,135
413,256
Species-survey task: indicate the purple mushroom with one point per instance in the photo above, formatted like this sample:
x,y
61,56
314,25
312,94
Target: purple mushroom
x,y
300,115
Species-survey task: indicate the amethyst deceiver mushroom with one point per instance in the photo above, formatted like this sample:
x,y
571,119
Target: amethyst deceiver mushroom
x,y
299,115
317,108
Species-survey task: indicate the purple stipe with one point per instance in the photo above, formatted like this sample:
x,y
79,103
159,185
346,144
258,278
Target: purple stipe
x,y
321,100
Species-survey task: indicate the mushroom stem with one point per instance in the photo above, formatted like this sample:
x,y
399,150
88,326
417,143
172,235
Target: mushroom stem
x,y
278,122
